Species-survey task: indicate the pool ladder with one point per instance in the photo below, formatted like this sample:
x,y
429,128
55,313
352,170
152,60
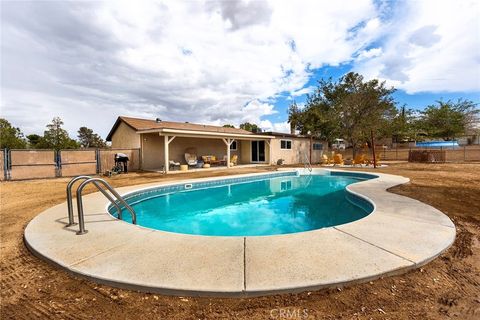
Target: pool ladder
x,y
97,182
307,164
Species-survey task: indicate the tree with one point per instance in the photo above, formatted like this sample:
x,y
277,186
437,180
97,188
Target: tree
x,y
349,109
250,127
404,126
88,139
55,137
11,137
34,140
294,116
449,119
228,126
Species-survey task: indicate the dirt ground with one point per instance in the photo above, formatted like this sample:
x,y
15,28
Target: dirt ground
x,y
447,287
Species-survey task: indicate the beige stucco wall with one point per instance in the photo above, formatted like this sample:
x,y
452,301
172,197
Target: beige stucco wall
x,y
245,151
300,148
125,137
152,151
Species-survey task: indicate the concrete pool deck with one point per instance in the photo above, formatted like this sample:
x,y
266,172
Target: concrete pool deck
x,y
399,235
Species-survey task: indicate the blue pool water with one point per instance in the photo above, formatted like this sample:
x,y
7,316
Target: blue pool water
x,y
278,205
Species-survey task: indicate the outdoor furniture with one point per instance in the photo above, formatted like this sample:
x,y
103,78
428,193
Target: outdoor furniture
x,y
234,160
359,159
200,164
212,160
377,160
173,165
206,165
326,159
338,159
184,167
191,159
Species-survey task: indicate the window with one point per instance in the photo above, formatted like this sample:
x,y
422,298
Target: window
x,y
286,185
233,146
286,144
317,146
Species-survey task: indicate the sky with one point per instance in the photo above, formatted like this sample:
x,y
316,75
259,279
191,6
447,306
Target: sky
x,y
224,62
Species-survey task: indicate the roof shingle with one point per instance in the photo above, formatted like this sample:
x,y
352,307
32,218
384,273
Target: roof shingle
x,y
146,124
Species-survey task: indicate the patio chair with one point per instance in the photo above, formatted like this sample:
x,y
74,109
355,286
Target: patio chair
x,y
234,160
359,159
377,160
326,159
338,159
173,165
191,159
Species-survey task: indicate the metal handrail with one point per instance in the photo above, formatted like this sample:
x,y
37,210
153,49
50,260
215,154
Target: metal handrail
x,y
96,182
307,164
71,220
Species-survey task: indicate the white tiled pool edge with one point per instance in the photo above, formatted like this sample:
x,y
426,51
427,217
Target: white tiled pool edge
x,y
401,234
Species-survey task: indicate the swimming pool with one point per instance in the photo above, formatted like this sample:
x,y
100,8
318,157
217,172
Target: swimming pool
x,y
270,204
401,234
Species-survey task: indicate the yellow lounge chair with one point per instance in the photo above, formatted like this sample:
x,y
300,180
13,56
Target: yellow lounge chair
x,y
326,160
359,159
377,159
338,159
234,160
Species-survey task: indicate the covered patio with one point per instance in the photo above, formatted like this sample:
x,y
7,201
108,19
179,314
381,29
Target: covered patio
x,y
164,148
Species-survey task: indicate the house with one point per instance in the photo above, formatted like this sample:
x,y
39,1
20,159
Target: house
x,y
163,141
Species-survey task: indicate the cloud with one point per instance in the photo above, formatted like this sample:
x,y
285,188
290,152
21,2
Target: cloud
x,y
267,125
217,62
425,36
428,46
369,53
243,14
301,92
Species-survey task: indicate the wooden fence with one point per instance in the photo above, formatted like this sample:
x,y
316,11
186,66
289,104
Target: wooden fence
x,y
31,164
78,162
21,164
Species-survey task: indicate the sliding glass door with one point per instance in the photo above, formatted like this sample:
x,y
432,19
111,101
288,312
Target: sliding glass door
x,y
258,151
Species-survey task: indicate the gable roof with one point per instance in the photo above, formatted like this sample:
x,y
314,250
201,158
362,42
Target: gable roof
x,y
139,125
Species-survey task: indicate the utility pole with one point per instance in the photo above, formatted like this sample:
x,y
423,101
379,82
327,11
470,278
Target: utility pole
x,y
373,150
311,148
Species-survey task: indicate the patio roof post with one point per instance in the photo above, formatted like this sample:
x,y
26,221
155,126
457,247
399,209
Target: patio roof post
x,y
228,142
166,152
269,150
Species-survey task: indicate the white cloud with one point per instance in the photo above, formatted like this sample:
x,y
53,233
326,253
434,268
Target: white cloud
x,y
302,91
429,46
267,125
368,54
208,62
216,61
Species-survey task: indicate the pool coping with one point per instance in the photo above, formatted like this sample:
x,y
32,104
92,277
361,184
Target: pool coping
x,y
400,234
